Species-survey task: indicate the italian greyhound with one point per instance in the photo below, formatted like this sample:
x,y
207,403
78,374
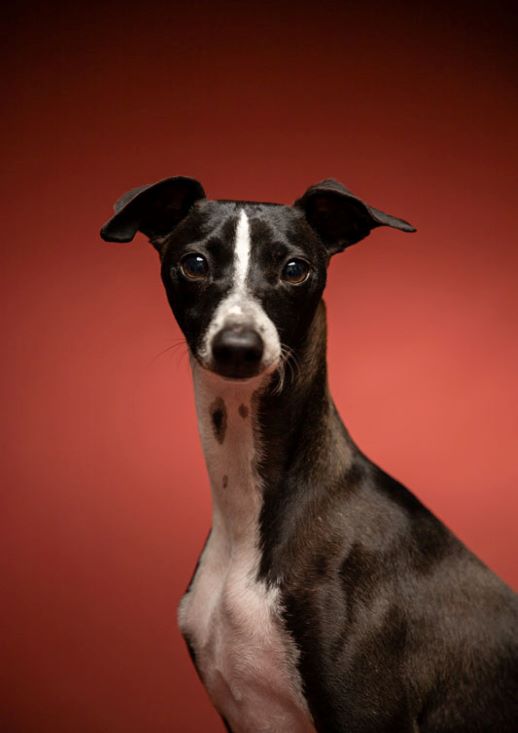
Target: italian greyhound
x,y
327,597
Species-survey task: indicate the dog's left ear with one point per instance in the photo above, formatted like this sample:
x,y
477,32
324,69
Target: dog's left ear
x,y
154,209
340,218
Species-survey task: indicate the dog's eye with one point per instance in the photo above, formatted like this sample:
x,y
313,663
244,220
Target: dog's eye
x,y
194,266
295,272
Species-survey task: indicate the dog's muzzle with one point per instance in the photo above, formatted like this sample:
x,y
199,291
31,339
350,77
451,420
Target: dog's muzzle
x,y
237,352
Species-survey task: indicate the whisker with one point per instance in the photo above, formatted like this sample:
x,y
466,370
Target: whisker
x,y
288,368
173,348
292,362
282,373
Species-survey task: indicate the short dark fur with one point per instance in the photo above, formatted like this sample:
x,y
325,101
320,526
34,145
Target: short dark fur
x,y
400,628
218,414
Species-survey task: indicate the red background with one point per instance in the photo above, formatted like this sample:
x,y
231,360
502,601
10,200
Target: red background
x,y
105,501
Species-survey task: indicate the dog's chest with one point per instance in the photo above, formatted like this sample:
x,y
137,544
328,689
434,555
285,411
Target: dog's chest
x,y
246,658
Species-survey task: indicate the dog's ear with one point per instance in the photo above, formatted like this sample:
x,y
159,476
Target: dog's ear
x,y
340,218
154,209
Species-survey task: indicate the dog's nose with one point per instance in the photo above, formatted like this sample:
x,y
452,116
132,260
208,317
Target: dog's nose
x,y
237,352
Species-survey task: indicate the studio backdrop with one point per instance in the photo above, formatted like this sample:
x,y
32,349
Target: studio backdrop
x,y
104,495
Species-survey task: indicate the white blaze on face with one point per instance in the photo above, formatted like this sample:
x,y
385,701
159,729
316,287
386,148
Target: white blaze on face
x,y
240,307
241,252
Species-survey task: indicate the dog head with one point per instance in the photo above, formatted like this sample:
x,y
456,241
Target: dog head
x,y
244,279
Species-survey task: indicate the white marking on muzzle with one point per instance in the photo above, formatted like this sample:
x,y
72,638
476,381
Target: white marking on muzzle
x,y
240,307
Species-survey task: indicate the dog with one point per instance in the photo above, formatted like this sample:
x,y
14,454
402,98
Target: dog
x,y
327,597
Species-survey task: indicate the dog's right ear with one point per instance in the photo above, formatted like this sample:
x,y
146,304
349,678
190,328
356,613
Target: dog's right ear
x,y
154,209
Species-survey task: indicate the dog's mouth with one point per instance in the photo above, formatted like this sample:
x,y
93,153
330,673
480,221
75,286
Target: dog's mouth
x,y
237,371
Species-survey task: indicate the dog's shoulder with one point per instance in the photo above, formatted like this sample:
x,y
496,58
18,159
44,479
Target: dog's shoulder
x,y
407,613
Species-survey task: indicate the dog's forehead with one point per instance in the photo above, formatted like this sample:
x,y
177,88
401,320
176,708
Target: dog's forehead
x,y
267,223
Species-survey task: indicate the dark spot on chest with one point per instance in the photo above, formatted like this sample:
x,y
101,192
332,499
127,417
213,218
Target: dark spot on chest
x,y
225,481
218,416
243,411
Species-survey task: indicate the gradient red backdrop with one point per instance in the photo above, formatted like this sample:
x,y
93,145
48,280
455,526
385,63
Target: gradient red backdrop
x,y
105,500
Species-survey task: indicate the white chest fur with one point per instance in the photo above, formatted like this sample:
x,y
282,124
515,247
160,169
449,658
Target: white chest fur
x,y
245,656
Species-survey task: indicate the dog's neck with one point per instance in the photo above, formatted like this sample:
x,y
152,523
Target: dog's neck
x,y
226,421
257,433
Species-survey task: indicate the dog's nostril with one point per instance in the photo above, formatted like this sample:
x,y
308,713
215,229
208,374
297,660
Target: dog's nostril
x,y
237,352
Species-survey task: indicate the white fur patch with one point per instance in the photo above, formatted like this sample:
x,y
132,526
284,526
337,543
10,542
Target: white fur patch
x,y
240,308
245,656
241,252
